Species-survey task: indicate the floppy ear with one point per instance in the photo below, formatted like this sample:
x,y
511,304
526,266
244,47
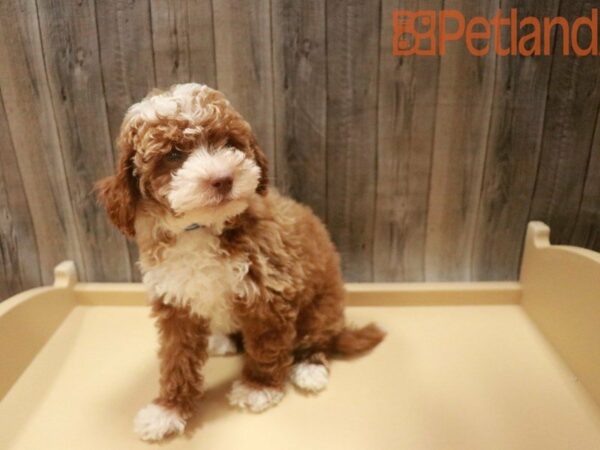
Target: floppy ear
x,y
119,194
261,161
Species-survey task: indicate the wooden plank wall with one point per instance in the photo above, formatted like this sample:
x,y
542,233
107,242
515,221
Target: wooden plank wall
x,y
423,168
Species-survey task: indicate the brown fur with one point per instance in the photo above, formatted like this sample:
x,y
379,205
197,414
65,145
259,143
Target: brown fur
x,y
296,311
352,341
119,193
301,307
142,170
183,339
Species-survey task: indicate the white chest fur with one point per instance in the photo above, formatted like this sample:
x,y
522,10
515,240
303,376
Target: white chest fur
x,y
197,272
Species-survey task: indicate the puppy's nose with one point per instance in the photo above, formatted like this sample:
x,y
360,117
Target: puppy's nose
x,y
222,185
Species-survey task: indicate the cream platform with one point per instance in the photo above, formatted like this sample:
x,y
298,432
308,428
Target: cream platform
x,y
482,366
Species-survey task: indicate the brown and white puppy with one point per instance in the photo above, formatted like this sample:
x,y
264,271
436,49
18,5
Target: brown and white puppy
x,y
223,255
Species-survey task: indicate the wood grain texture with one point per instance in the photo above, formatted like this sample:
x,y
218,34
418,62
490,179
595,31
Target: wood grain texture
x,y
70,46
571,109
32,124
406,118
513,150
127,63
244,66
352,71
464,105
126,55
587,225
423,168
182,33
300,99
19,263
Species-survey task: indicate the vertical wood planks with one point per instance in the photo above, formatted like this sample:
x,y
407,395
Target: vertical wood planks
x,y
300,98
464,107
183,42
19,263
512,158
571,111
245,67
70,46
30,114
423,168
406,118
352,71
587,226
126,56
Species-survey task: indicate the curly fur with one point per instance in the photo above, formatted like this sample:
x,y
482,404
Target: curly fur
x,y
254,263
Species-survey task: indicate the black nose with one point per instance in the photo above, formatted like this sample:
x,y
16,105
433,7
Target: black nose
x,y
222,185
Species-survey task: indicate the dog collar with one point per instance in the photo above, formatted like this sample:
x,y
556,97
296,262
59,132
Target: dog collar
x,y
193,226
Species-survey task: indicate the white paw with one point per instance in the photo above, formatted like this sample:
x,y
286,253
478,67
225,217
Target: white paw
x,y
220,345
310,377
153,422
255,400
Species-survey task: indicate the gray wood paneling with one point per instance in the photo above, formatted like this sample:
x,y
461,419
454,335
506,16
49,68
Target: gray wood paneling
x,y
352,69
126,55
19,263
587,226
423,168
28,106
464,106
300,96
512,158
71,54
571,111
245,66
127,60
183,42
406,118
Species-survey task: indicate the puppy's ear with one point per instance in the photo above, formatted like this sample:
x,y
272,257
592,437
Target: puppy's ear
x,y
119,194
261,161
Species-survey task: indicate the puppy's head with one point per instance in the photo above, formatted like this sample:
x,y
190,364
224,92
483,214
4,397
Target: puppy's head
x,y
187,154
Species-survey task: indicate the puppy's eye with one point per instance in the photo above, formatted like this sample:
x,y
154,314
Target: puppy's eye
x,y
231,143
174,155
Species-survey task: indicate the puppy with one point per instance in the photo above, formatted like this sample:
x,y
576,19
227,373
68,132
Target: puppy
x,y
223,256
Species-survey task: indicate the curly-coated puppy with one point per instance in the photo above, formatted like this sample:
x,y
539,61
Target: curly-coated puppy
x,y
223,256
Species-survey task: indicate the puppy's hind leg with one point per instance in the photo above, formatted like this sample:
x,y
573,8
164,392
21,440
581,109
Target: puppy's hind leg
x,y
318,324
310,373
220,344
268,335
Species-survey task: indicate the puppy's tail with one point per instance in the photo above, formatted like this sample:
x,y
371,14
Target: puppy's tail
x,y
352,341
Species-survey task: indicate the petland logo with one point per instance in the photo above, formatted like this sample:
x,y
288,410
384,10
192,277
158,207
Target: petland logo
x,y
427,33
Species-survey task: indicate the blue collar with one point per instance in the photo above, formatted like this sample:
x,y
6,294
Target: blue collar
x,y
193,226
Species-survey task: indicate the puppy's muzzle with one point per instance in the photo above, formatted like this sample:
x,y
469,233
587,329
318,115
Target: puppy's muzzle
x,y
222,185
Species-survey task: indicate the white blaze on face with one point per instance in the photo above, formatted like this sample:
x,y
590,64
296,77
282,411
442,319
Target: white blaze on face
x,y
191,186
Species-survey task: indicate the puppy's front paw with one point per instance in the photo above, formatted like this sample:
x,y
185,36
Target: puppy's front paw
x,y
309,377
154,422
253,399
221,345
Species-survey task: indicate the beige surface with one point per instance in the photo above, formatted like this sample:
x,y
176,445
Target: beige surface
x,y
463,367
358,294
561,293
458,377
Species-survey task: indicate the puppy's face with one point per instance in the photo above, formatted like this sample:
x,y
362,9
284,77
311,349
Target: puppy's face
x,y
188,154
